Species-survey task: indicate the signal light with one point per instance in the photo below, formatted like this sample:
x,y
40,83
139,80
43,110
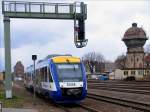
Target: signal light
x,y
81,30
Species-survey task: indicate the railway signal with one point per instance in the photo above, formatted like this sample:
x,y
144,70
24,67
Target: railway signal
x,y
79,27
34,58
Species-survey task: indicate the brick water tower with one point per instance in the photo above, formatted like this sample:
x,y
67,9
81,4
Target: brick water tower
x,y
134,38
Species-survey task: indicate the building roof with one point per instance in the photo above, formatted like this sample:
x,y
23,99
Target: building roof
x,y
135,32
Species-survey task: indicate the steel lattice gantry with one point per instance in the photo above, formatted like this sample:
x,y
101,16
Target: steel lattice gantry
x,y
41,10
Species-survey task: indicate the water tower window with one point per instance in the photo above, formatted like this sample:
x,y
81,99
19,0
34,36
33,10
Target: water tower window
x,y
147,72
132,72
125,72
140,72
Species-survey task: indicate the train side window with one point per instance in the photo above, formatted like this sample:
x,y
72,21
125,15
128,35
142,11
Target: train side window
x,y
49,74
42,74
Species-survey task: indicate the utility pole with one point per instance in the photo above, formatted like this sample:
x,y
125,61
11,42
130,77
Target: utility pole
x,y
8,76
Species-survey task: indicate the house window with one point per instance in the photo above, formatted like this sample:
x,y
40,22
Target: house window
x,y
125,72
147,72
140,72
132,72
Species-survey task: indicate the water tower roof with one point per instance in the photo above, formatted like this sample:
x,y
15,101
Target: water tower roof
x,y
134,32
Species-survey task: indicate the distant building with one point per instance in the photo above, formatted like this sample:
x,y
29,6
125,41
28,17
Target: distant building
x,y
19,70
1,76
109,67
117,74
135,38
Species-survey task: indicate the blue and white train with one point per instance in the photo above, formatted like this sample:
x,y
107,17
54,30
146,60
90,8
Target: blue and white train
x,y
61,78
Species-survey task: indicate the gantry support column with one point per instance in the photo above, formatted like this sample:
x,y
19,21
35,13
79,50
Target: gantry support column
x,y
8,76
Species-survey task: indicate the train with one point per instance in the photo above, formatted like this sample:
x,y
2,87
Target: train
x,y
61,78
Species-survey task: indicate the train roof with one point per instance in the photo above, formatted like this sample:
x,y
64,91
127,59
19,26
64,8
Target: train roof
x,y
56,59
66,59
56,55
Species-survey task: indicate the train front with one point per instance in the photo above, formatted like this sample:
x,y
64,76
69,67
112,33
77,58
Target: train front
x,y
70,79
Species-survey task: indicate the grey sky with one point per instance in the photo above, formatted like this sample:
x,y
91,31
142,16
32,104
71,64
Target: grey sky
x,y
105,25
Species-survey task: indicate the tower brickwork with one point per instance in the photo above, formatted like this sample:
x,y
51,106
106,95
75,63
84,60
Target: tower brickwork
x,y
134,38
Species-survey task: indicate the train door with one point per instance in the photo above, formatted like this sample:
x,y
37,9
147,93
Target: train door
x,y
49,75
38,81
51,82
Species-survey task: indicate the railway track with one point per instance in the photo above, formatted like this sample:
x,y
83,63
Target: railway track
x,y
77,107
62,107
122,87
68,107
137,91
120,84
90,109
128,103
117,81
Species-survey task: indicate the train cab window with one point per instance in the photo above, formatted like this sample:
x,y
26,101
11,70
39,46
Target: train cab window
x,y
49,75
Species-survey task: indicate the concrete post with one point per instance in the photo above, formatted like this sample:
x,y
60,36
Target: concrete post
x,y
8,76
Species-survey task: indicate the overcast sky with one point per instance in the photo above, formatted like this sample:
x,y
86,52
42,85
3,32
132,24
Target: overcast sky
x,y
105,26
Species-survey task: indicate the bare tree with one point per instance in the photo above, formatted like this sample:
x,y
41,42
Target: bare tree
x,y
94,61
120,61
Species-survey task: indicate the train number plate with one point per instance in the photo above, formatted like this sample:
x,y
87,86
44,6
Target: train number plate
x,y
70,84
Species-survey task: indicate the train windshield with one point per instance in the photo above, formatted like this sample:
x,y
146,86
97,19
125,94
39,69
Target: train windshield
x,y
69,72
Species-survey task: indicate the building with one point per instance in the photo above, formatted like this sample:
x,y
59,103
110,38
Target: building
x,y
135,38
19,70
117,74
1,76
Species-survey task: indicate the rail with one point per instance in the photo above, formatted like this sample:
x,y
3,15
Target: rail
x,y
128,103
